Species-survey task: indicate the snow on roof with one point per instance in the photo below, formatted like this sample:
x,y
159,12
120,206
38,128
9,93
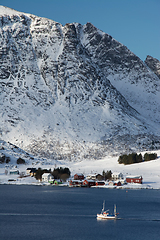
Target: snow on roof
x,y
134,176
79,174
116,173
78,180
89,180
14,170
45,174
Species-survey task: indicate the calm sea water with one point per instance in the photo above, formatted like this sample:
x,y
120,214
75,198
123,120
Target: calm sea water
x,y
36,212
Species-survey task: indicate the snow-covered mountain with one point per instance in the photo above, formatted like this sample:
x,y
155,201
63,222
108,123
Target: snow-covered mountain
x,y
73,92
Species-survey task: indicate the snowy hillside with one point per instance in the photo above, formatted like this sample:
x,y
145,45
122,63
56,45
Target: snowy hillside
x,y
73,92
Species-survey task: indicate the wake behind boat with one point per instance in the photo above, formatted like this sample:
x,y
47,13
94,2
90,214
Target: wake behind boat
x,y
105,213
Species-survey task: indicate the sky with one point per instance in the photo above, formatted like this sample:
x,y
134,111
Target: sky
x,y
134,23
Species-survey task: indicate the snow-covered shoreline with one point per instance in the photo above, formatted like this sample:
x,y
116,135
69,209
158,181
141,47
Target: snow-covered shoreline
x,y
148,170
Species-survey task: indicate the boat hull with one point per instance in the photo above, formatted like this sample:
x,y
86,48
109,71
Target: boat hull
x,y
102,216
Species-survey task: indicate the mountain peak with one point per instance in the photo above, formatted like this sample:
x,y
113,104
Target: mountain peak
x,y
8,11
73,91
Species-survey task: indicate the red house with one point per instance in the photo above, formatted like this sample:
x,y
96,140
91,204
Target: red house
x,y
75,183
100,183
134,179
118,183
88,183
78,176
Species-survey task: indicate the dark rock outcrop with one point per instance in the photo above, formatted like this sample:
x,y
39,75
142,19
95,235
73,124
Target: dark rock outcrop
x,y
153,64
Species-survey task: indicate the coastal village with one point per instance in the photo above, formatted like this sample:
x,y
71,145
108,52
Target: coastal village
x,y
115,179
18,167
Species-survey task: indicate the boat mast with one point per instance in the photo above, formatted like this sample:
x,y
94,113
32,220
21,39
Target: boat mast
x,y
115,209
103,206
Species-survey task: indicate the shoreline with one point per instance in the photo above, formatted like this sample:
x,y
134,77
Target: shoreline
x,y
131,186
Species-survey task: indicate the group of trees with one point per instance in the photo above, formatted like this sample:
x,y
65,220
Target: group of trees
x,y
4,158
20,161
39,173
58,173
150,156
107,175
136,158
61,173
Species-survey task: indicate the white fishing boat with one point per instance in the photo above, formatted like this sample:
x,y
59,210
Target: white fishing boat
x,y
105,213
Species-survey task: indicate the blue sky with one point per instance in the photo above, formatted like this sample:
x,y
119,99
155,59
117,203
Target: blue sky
x,y
134,23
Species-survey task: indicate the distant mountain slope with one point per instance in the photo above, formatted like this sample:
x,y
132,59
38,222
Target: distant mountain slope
x,y
137,83
72,92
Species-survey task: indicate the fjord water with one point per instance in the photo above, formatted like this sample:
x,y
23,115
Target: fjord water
x,y
47,212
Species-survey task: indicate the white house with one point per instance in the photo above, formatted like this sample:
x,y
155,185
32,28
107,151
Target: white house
x,y
47,177
117,176
14,171
91,177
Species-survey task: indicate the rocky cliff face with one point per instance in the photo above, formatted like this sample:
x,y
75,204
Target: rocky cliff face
x,y
153,64
72,92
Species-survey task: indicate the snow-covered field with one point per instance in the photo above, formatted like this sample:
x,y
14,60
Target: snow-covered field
x,y
150,171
